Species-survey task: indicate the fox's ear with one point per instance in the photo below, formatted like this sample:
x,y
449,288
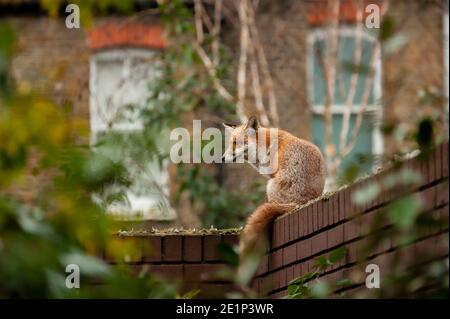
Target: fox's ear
x,y
252,123
229,125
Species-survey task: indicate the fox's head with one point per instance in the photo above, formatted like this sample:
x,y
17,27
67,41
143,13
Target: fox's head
x,y
242,142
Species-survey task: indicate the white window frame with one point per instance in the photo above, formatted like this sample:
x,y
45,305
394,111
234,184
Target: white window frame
x,y
375,109
126,55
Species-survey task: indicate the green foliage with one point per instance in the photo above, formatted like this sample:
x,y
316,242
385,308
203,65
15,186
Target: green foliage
x,y
309,285
88,8
220,207
409,223
47,217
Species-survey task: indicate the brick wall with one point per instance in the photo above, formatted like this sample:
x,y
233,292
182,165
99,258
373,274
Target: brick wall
x,y
312,231
191,260
329,223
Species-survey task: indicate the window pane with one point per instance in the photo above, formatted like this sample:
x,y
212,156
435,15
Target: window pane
x,y
363,146
346,68
120,80
121,90
146,195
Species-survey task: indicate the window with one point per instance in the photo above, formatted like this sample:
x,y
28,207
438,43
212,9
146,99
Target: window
x,y
119,89
368,141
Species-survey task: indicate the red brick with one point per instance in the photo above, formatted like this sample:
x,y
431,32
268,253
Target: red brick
x,y
432,165
286,229
297,270
192,248
266,284
318,208
151,250
168,271
365,222
305,220
275,234
441,245
444,216
424,170
445,160
289,254
300,223
336,236
442,193
289,274
275,280
348,203
131,34
341,205
438,162
232,240
336,213
303,249
316,211
296,219
263,265
327,217
321,223
305,267
352,253
319,243
201,272
311,212
210,245
292,227
428,197
351,230
283,276
281,231
276,259
278,295
172,248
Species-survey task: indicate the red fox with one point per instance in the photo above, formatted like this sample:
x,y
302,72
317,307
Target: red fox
x,y
298,174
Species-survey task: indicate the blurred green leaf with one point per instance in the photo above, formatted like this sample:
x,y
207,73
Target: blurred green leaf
x,y
403,211
89,265
338,254
228,254
366,194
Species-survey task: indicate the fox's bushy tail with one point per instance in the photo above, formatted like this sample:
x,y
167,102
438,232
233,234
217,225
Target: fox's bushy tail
x,y
253,236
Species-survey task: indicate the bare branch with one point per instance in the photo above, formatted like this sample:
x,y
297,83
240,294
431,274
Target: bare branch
x,y
242,66
198,12
213,73
354,78
268,81
368,86
216,32
329,67
256,84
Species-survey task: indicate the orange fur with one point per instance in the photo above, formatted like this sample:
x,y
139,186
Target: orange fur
x,y
257,225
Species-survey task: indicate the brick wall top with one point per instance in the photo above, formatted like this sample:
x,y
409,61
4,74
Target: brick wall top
x,y
134,34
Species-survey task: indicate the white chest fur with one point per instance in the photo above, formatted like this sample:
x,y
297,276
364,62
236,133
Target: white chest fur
x,y
270,188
